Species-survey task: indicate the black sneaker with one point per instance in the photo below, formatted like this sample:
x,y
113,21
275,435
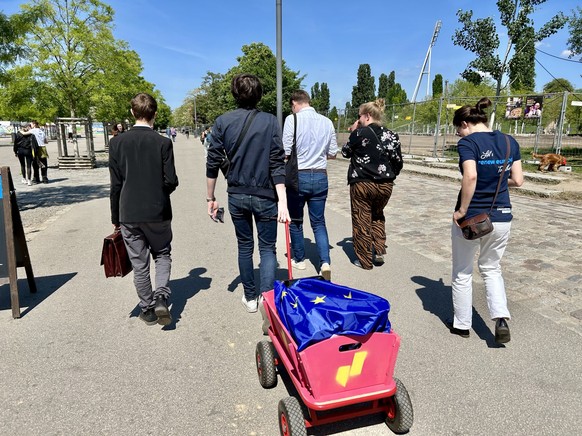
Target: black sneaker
x,y
162,311
459,332
149,317
502,334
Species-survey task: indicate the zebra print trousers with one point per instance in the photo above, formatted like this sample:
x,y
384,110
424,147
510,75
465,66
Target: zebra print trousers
x,y
368,200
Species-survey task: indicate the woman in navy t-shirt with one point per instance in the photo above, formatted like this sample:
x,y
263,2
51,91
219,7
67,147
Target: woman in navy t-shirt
x,y
482,154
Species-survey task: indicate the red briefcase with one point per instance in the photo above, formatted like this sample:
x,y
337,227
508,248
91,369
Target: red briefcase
x,y
114,256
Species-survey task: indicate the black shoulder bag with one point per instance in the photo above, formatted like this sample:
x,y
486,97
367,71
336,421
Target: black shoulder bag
x,y
292,167
481,225
225,164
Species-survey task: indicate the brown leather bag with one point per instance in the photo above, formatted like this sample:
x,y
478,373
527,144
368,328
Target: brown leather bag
x,y
477,226
114,256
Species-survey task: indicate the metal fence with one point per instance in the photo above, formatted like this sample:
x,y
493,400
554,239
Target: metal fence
x,y
554,125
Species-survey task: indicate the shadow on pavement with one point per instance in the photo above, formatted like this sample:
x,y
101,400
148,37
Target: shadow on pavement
x,y
45,287
347,245
52,194
182,290
437,299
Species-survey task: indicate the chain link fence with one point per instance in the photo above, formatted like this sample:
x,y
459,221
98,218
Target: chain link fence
x,y
541,123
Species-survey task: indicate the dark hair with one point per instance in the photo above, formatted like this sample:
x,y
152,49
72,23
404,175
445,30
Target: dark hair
x,y
246,90
299,96
472,114
144,106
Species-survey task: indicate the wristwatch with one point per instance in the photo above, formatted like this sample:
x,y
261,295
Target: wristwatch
x,y
208,200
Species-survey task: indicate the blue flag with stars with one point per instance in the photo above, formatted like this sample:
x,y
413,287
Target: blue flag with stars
x,y
313,310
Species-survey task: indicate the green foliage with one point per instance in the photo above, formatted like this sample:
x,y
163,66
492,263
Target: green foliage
x,y
320,98
12,28
383,86
481,38
522,64
74,65
575,40
365,89
214,98
437,86
333,114
558,85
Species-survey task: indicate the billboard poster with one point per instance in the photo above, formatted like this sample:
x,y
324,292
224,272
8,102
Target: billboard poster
x,y
534,106
513,108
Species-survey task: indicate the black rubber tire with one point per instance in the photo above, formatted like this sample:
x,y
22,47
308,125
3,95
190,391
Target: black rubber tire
x,y
266,369
291,422
401,416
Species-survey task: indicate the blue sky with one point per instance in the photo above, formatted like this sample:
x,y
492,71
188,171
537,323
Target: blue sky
x,y
326,40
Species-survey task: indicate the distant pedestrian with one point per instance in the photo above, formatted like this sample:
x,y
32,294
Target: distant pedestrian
x,y
316,142
173,133
24,143
481,156
120,128
256,182
187,133
207,134
376,160
143,175
40,153
169,132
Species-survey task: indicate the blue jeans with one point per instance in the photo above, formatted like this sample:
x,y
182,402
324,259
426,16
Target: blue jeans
x,y
243,208
313,191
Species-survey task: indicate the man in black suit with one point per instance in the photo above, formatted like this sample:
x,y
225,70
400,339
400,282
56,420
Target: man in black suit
x,y
141,166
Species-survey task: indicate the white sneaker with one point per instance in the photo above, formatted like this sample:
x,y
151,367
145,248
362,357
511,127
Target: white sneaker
x,y
24,181
298,265
326,271
251,305
29,183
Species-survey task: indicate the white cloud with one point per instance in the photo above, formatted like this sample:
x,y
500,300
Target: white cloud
x,y
566,53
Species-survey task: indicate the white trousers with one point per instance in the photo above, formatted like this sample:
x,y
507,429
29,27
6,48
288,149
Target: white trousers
x,y
491,248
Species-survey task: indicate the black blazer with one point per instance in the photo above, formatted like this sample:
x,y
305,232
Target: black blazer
x,y
143,175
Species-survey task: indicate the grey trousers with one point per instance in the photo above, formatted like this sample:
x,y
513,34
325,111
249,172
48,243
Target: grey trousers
x,y
141,239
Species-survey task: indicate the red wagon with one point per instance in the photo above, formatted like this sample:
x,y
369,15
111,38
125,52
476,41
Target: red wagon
x,y
339,378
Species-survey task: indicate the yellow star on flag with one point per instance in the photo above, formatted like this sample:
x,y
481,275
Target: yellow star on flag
x,y
283,294
349,295
294,305
318,300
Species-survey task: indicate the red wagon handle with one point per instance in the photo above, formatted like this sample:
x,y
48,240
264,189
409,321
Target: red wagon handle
x,y
288,246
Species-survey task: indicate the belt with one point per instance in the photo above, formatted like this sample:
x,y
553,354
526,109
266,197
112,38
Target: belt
x,y
314,170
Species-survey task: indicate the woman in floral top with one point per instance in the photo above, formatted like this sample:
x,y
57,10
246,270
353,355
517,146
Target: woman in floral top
x,y
376,160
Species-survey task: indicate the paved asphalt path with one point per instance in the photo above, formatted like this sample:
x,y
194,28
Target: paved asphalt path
x,y
79,362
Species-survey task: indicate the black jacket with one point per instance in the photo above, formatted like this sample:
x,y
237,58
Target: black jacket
x,y
25,144
141,166
258,164
375,155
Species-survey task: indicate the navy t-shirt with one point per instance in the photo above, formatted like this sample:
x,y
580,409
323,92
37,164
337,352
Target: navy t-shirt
x,y
488,150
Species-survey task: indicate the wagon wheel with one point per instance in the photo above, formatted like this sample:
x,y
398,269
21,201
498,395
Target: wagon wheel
x,y
265,356
399,416
291,422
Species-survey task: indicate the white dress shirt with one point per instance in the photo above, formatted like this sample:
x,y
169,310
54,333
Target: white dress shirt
x,y
316,139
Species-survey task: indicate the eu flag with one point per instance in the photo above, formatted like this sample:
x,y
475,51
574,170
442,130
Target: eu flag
x,y
313,310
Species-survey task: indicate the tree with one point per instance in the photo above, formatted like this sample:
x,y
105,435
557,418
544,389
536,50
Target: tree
x,y
214,97
320,98
74,52
558,85
333,114
11,30
575,40
437,86
480,37
383,86
365,90
522,64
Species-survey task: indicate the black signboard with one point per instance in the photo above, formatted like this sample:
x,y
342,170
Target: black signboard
x,y
13,249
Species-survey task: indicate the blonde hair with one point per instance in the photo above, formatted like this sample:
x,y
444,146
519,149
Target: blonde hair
x,y
375,109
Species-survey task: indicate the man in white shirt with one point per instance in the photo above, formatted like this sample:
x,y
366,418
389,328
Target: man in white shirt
x,y
316,142
42,155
